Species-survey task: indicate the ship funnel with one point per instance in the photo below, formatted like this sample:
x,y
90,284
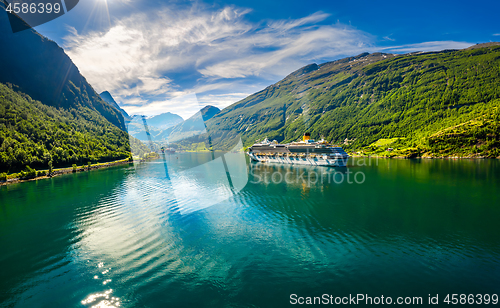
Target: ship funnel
x,y
306,137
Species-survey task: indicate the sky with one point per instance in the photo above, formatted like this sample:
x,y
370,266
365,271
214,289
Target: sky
x,y
156,56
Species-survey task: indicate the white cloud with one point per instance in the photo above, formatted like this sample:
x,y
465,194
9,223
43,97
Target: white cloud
x,y
426,46
496,34
151,61
138,54
184,105
294,48
145,46
222,100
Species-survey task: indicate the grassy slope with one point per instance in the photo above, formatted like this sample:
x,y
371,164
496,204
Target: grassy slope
x,y
417,97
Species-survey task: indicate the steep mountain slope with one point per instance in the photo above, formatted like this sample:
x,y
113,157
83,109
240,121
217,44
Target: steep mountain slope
x,y
208,112
39,68
106,96
34,134
49,114
362,99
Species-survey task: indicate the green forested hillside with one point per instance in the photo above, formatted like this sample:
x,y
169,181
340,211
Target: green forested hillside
x,y
34,134
441,103
49,114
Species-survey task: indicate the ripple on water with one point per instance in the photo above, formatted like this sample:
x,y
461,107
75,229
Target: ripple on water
x,y
129,243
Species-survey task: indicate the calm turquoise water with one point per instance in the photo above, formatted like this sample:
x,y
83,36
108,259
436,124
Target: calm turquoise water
x,y
400,228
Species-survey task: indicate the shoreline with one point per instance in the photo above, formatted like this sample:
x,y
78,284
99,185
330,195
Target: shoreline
x,y
67,170
426,157
61,171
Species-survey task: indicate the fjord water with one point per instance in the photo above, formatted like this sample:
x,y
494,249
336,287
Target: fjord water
x,y
119,236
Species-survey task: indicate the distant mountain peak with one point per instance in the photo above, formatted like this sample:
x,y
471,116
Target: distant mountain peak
x,y
304,70
207,107
209,112
108,98
106,94
165,120
168,113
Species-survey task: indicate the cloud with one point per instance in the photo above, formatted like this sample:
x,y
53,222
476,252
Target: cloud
x,y
496,34
151,54
154,61
184,105
136,54
426,46
222,100
289,51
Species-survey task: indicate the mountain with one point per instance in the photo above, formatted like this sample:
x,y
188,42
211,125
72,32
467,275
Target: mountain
x,y
193,126
34,134
431,104
136,128
49,114
165,120
209,112
39,68
162,128
156,125
106,96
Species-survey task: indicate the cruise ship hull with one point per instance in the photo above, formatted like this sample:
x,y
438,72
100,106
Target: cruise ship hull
x,y
314,161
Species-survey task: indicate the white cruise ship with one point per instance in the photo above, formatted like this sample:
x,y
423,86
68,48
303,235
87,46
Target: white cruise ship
x,y
305,152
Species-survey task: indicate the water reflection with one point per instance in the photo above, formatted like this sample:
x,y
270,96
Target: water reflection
x,y
200,183
302,176
425,226
104,300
